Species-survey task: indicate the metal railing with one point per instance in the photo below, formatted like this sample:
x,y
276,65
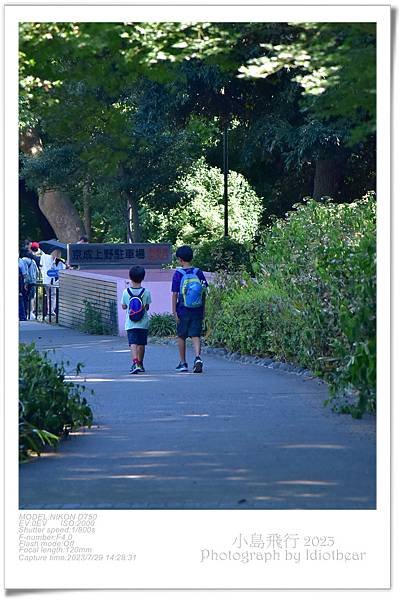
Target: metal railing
x,y
45,303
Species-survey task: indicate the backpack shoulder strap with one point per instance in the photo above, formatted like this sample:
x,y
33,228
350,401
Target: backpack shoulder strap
x,y
181,270
141,293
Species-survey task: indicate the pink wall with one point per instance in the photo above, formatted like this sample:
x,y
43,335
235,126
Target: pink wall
x,y
158,281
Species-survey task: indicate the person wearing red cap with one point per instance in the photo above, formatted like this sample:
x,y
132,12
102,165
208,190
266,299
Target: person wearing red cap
x,y
37,252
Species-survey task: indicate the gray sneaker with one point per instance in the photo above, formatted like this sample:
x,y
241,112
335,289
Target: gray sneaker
x,y
182,367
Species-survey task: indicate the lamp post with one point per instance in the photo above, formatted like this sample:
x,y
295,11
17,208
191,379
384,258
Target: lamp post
x,y
225,121
225,171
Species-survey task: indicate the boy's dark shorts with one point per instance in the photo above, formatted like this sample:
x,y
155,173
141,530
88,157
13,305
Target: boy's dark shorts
x,y
189,326
137,336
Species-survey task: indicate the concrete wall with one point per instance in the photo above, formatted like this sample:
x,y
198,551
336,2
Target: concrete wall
x,y
77,287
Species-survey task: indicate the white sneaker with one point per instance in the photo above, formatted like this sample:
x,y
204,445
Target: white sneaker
x,y
32,315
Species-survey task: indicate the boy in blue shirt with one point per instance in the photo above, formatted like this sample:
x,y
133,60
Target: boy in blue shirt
x,y
136,300
188,303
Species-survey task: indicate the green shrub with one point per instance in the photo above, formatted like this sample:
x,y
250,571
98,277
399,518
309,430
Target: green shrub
x,y
49,406
323,256
31,438
313,300
95,322
242,322
223,254
162,325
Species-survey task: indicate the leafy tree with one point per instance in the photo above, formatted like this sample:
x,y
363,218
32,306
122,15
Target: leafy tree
x,y
200,214
132,150
335,63
88,87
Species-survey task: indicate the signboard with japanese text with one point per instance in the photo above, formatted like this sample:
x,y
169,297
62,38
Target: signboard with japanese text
x,y
118,255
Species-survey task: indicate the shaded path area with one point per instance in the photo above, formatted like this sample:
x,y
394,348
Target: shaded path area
x,y
236,436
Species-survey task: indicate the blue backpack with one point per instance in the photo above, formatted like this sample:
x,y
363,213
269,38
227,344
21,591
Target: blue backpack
x,y
136,307
191,288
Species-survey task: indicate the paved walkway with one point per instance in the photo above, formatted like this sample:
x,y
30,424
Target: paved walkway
x,y
236,436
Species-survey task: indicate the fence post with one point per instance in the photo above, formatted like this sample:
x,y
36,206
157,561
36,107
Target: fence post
x,y
50,304
57,302
36,301
44,301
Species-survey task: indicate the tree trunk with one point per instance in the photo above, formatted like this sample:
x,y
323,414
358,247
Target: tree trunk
x,y
132,220
62,215
128,213
327,178
135,227
54,204
87,211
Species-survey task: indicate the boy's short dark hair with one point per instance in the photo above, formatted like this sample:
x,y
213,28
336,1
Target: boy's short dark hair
x,y
137,274
185,253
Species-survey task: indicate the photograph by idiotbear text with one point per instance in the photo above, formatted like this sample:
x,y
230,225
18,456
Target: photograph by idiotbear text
x,y
197,265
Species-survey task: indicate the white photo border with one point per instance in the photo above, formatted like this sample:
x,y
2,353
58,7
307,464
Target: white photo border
x,y
176,570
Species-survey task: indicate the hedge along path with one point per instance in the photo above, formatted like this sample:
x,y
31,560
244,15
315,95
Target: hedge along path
x,y
236,436
313,300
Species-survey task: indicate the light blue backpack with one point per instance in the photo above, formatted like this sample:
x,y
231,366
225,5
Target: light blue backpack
x,y
191,288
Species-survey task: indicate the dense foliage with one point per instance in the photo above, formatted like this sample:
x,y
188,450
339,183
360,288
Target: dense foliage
x,y
49,406
223,254
162,325
119,119
199,216
335,64
313,300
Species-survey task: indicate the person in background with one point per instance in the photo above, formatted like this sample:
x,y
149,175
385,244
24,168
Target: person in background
x,y
35,249
31,279
27,250
37,253
51,262
22,271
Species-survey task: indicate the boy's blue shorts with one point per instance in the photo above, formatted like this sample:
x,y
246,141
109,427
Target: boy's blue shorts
x,y
137,336
189,326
